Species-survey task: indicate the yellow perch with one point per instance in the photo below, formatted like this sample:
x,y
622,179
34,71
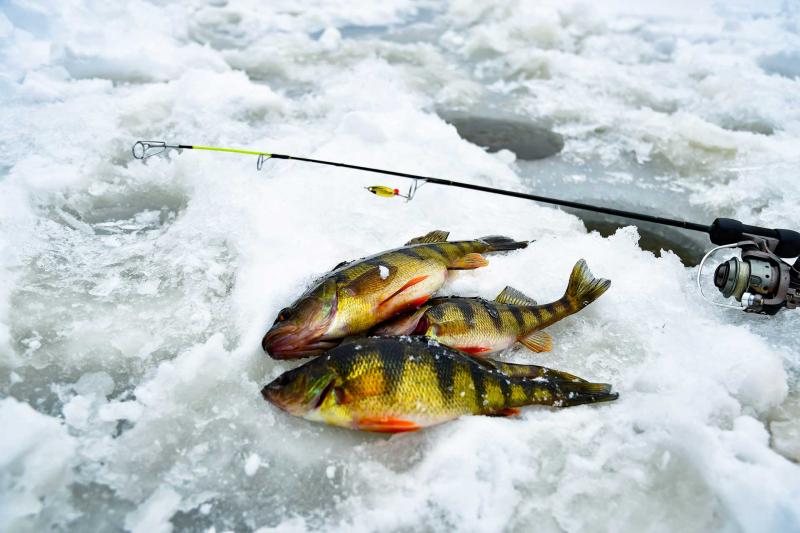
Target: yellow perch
x,y
356,296
396,384
480,327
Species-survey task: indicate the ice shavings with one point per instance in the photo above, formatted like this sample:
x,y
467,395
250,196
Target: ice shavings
x,y
133,297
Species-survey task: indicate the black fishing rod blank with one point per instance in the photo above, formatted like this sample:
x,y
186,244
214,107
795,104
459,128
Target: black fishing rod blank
x,y
777,287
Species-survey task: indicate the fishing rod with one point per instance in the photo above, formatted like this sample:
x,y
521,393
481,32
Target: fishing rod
x,y
760,281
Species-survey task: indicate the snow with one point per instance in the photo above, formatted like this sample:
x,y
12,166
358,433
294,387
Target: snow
x,y
133,297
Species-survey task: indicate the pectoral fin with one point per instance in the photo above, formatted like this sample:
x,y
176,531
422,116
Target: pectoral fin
x,y
404,325
387,425
434,236
508,411
410,283
468,262
538,341
512,296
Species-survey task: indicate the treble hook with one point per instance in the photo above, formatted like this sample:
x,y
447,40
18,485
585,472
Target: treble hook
x,y
387,192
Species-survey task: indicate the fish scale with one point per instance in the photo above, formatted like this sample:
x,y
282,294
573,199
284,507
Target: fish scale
x,y
402,384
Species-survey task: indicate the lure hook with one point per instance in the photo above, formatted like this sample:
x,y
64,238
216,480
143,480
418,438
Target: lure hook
x,y
387,192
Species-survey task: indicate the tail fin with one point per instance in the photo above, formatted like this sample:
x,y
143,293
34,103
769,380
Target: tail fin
x,y
583,287
572,393
498,243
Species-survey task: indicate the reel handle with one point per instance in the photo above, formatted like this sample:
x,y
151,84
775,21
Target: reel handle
x,y
728,231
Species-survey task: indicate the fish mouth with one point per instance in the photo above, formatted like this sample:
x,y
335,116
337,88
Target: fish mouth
x,y
287,341
296,397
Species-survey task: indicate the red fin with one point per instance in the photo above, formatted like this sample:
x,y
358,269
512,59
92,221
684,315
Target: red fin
x,y
409,284
387,425
508,411
474,349
419,301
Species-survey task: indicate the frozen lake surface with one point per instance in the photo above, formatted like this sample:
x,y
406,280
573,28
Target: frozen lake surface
x,y
133,297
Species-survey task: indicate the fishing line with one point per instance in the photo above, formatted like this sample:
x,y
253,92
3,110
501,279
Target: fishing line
x,y
761,281
146,149
721,231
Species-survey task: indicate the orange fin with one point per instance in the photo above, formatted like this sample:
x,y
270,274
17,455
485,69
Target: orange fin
x,y
419,301
387,425
474,350
408,285
538,341
468,262
508,411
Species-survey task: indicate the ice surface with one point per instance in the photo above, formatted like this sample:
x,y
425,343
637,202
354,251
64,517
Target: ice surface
x,y
133,297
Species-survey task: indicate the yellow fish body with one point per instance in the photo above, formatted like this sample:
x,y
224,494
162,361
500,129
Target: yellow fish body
x,y
356,296
389,384
480,327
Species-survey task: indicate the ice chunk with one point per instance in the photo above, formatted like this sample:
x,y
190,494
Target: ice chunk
x,y
153,515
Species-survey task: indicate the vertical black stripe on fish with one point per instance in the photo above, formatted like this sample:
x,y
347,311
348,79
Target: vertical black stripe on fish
x,y
478,375
517,314
494,314
393,355
445,373
505,387
466,310
437,312
537,313
412,253
345,361
450,250
549,311
437,253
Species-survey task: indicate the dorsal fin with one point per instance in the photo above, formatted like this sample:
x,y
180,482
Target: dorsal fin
x,y
340,265
434,236
512,296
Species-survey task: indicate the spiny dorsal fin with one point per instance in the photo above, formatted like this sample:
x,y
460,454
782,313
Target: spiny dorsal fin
x,y
340,265
538,341
434,236
512,296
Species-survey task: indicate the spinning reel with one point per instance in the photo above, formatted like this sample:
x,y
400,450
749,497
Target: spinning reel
x,y
760,281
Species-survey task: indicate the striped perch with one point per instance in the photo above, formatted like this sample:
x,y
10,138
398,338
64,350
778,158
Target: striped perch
x,y
396,384
356,296
480,327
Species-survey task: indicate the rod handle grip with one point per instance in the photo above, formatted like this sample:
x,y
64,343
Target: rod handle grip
x,y
729,231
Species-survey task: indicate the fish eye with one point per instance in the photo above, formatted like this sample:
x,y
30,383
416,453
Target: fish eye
x,y
285,314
